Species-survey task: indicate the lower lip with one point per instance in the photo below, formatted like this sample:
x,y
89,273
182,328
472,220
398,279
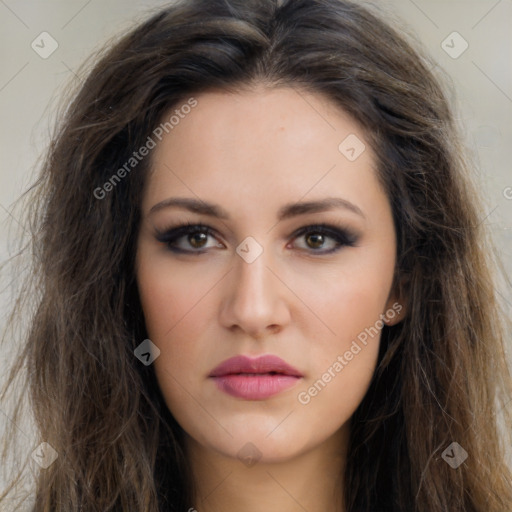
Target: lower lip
x,y
255,387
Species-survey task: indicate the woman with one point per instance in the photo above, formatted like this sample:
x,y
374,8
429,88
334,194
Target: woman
x,y
261,277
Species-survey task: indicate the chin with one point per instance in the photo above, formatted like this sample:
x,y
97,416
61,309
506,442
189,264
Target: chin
x,y
258,445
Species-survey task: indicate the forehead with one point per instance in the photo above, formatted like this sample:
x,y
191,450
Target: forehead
x,y
273,119
261,143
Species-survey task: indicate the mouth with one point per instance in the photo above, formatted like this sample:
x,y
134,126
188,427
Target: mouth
x,y
254,379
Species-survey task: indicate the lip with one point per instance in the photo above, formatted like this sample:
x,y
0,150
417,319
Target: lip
x,y
254,378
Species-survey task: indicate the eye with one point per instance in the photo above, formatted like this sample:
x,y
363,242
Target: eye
x,y
187,236
319,238
325,239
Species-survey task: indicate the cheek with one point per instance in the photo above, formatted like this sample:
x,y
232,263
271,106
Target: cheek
x,y
177,314
342,365
345,300
169,295
350,303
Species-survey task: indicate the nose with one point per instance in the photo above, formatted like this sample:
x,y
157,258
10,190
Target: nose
x,y
255,301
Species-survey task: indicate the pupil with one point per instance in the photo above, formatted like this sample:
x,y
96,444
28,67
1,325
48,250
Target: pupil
x,y
194,239
317,240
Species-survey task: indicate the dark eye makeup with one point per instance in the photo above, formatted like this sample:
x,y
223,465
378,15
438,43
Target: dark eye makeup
x,y
341,235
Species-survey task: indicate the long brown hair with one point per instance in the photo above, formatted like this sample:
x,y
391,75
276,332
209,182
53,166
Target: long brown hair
x,y
442,375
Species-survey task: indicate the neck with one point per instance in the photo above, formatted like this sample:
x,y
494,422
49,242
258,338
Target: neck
x,y
309,481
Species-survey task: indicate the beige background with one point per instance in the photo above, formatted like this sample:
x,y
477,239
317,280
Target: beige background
x,y
30,87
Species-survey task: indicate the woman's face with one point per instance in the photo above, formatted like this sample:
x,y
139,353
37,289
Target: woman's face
x,y
260,171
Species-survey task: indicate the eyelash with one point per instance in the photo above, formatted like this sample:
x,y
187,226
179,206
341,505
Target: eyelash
x,y
341,234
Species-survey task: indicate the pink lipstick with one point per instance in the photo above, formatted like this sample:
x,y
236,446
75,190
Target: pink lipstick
x,y
254,379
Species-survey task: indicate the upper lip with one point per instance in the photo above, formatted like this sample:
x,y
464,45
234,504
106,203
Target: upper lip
x,y
263,364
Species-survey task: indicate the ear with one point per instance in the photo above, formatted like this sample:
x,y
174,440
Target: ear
x,y
396,309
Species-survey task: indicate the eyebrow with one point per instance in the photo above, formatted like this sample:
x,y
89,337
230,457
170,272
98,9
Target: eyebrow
x,y
285,212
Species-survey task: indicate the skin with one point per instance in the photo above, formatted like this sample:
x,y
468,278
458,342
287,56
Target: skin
x,y
252,152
